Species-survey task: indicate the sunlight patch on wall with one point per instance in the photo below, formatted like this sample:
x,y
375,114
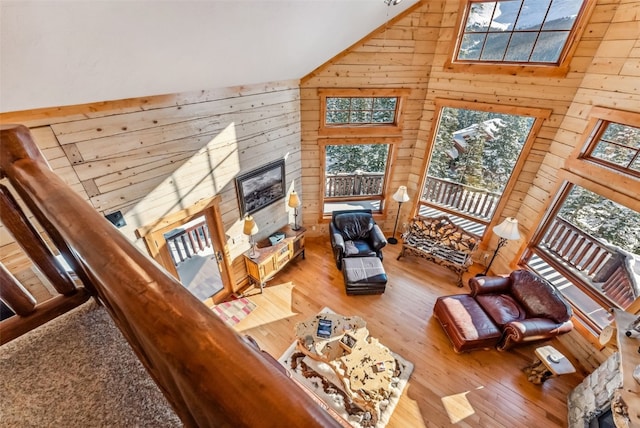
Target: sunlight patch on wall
x,y
209,171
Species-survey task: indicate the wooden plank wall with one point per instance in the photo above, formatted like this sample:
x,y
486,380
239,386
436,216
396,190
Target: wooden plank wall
x,y
151,157
397,55
411,52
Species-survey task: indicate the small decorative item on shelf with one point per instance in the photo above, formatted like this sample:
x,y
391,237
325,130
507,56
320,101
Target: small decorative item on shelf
x,y
348,342
276,237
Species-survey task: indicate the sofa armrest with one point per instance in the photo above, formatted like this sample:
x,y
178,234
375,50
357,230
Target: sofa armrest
x,y
377,238
531,329
337,240
489,284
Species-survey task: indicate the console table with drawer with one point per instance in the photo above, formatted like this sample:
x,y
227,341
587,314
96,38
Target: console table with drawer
x,y
270,259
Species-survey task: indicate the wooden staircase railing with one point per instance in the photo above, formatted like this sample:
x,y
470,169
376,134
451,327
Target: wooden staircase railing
x,y
210,375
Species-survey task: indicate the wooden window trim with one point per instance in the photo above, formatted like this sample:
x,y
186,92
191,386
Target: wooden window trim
x,y
349,130
581,162
561,68
626,185
393,142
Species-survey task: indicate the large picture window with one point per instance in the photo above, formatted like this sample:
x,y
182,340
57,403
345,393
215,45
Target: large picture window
x,y
472,160
588,248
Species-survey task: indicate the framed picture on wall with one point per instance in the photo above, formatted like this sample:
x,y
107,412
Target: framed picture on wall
x,y
261,187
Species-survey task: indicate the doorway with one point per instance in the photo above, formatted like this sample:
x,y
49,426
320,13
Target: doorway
x,y
194,258
189,244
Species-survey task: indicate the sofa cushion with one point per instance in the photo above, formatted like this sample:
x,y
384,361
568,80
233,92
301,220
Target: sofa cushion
x,y
354,226
538,297
501,308
467,325
358,248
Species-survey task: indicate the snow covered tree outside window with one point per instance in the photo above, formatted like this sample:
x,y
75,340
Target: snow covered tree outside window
x,y
518,31
602,218
472,160
478,148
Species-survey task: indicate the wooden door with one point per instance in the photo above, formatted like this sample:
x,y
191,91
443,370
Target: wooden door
x,y
156,243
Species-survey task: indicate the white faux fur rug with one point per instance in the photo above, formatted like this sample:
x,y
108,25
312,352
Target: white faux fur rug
x,y
322,382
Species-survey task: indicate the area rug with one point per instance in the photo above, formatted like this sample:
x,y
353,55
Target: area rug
x,y
234,311
320,380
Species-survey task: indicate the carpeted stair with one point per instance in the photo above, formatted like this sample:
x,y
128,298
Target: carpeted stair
x,y
78,370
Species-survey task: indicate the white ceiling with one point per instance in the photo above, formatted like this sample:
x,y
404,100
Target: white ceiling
x,y
63,52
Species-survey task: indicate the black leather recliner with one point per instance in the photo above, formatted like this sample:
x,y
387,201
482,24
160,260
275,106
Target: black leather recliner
x,y
354,233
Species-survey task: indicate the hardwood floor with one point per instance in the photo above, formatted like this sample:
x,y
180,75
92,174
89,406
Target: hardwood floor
x,y
478,389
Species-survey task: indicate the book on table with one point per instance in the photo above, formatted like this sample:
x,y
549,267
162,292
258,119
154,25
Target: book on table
x,y
324,328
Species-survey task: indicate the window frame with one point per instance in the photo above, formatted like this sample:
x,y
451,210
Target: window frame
x,y
600,118
540,117
595,177
392,142
369,129
567,181
560,68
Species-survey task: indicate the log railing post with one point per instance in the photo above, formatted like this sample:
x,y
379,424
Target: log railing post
x,y
32,243
14,294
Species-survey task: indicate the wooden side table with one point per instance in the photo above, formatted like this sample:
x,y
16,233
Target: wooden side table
x,y
270,259
549,362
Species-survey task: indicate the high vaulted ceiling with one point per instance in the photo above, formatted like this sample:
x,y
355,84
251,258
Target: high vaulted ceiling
x,y
58,52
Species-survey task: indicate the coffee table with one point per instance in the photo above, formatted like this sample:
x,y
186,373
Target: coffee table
x,y
364,366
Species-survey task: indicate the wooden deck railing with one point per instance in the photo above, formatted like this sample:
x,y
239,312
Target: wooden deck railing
x,y
460,199
189,241
599,264
358,184
210,375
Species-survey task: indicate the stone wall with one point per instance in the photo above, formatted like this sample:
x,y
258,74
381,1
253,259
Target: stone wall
x,y
593,395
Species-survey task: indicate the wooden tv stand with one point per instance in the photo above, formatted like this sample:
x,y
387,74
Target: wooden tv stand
x,y
270,259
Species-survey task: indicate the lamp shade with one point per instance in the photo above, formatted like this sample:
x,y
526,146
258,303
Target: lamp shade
x,y
508,229
294,199
401,194
250,226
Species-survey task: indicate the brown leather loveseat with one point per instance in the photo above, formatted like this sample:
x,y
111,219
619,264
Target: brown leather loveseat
x,y
503,312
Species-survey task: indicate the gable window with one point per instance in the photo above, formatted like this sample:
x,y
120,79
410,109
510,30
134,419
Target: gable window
x,y
519,32
617,146
361,112
475,151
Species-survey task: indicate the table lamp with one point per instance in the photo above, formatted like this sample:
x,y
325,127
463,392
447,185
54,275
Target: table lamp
x,y
294,202
250,229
